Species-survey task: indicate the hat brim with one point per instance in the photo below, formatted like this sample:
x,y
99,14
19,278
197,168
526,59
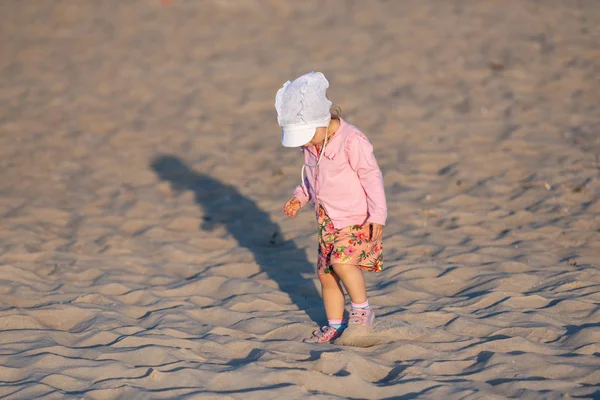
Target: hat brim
x,y
296,136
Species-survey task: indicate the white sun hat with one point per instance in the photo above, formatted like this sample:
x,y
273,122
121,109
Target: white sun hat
x,y
302,107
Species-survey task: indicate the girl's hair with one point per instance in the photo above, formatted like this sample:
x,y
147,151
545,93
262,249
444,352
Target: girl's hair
x,y
336,112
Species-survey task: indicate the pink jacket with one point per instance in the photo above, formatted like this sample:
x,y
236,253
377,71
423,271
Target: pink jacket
x,y
349,182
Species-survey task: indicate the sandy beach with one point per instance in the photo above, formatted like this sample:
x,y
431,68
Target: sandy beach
x,y
143,249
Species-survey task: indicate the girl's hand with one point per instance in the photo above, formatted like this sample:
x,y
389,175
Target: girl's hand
x,y
291,207
375,232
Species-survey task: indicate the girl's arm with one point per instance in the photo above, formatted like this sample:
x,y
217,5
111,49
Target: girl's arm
x,y
301,194
362,160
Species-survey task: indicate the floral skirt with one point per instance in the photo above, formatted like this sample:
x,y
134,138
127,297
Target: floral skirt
x,y
349,245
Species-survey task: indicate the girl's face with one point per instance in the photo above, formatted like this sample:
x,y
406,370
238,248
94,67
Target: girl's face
x,y
318,138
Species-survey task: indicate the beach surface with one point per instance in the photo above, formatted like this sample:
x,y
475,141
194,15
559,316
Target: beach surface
x,y
143,249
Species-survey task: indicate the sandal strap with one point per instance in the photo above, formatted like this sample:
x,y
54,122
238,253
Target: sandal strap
x,y
320,333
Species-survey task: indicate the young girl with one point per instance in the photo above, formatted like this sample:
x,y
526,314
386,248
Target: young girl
x,y
341,176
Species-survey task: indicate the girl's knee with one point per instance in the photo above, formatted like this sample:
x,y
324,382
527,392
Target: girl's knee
x,y
329,279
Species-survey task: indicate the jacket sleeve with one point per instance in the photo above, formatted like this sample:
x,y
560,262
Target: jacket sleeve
x,y
300,194
362,160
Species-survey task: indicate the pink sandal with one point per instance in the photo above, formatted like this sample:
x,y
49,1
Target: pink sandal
x,y
362,317
326,334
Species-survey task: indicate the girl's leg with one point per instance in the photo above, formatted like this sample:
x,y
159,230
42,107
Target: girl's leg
x,y
353,280
333,296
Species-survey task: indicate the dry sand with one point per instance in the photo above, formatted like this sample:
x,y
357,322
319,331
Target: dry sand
x,y
143,252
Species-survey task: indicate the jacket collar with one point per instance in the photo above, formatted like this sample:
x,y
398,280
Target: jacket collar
x,y
335,137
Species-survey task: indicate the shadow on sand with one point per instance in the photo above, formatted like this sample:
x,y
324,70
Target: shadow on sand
x,y
252,227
